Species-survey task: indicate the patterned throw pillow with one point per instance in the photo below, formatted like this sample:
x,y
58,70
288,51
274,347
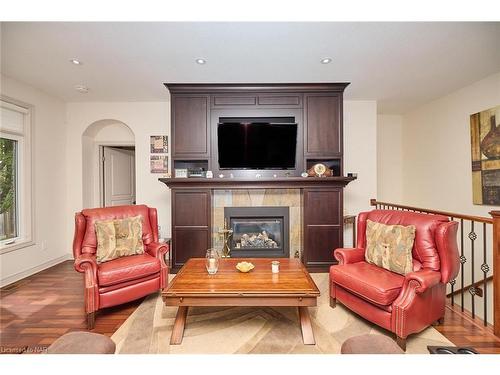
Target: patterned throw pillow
x,y
390,246
118,238
106,239
129,236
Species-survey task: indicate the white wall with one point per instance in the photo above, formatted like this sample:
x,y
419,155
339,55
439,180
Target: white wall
x,y
437,149
114,132
144,119
104,132
49,184
389,158
360,154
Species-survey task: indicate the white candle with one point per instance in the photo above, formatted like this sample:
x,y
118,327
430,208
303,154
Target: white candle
x,y
275,266
211,264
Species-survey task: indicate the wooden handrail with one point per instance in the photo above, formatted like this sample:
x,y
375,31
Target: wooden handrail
x,y
476,285
479,219
496,268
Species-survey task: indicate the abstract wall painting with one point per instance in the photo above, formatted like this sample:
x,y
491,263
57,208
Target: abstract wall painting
x,y
485,150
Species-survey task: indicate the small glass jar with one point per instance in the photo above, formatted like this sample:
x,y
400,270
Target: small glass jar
x,y
275,266
212,259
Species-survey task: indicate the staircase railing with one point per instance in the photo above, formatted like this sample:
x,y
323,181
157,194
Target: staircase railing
x,y
479,246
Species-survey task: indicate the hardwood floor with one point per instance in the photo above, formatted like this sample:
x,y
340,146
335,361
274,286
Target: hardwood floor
x,y
37,310
462,330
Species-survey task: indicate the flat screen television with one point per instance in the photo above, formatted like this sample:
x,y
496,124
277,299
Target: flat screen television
x,y
257,145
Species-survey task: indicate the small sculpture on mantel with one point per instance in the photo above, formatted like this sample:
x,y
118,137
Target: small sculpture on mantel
x,y
226,234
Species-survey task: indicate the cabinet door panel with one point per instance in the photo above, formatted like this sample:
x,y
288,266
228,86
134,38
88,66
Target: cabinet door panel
x,y
321,241
322,207
190,126
323,133
191,208
191,225
189,243
323,227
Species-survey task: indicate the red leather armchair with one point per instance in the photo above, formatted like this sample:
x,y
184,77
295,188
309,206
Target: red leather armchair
x,y
124,279
400,304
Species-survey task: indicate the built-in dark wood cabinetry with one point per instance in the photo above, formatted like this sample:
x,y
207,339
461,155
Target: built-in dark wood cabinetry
x,y
322,124
191,127
323,226
191,217
196,110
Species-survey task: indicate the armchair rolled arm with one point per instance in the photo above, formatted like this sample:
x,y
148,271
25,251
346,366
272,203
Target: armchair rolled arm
x,y
421,280
413,310
87,264
157,249
347,256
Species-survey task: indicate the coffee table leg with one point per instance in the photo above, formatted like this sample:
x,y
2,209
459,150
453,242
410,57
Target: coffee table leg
x,y
180,322
305,325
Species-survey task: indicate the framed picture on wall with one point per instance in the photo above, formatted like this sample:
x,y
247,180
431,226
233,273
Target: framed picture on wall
x,y
159,144
485,153
159,164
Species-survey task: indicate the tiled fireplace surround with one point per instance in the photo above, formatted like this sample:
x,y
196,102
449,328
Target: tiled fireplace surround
x,y
259,198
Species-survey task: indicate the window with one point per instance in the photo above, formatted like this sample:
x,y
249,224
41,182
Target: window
x,y
15,176
8,189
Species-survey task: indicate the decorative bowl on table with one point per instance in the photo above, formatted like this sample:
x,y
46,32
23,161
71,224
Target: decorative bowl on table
x,y
245,266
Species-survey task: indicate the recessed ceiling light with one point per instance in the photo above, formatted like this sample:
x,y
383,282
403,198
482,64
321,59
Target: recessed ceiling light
x,y
326,60
75,62
82,89
201,61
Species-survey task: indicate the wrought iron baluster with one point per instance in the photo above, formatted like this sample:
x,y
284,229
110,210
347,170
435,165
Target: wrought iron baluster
x,y
462,261
485,268
472,289
452,282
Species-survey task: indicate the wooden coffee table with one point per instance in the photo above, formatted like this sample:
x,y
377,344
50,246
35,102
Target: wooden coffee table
x,y
193,286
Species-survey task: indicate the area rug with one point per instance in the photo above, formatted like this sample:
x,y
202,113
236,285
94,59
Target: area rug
x,y
243,330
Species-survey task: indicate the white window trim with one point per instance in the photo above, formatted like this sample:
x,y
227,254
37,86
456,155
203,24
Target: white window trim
x,y
25,199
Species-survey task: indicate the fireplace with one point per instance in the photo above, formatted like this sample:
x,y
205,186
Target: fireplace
x,y
258,232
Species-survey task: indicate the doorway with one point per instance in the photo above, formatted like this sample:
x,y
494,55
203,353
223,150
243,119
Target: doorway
x,y
117,175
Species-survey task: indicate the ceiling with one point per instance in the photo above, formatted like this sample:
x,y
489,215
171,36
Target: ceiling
x,y
401,65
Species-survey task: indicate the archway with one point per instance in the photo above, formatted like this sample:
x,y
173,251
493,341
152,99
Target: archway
x,y
98,138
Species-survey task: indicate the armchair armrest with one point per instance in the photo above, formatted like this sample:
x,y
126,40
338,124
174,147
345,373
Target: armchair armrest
x,y
347,256
421,280
414,310
87,264
157,249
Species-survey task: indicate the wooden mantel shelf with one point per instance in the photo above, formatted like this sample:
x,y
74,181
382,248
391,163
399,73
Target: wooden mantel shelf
x,y
257,183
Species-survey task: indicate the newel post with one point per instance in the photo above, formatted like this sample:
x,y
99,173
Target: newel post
x,y
496,272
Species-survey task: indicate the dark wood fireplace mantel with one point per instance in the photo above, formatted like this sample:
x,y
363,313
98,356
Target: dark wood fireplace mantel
x,y
317,110
256,183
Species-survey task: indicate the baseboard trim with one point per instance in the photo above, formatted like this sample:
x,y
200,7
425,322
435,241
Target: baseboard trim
x,y
31,271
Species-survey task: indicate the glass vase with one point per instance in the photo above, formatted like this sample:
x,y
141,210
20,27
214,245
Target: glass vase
x,y
212,261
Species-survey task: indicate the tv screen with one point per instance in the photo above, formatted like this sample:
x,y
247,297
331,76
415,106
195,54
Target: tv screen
x,y
257,145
